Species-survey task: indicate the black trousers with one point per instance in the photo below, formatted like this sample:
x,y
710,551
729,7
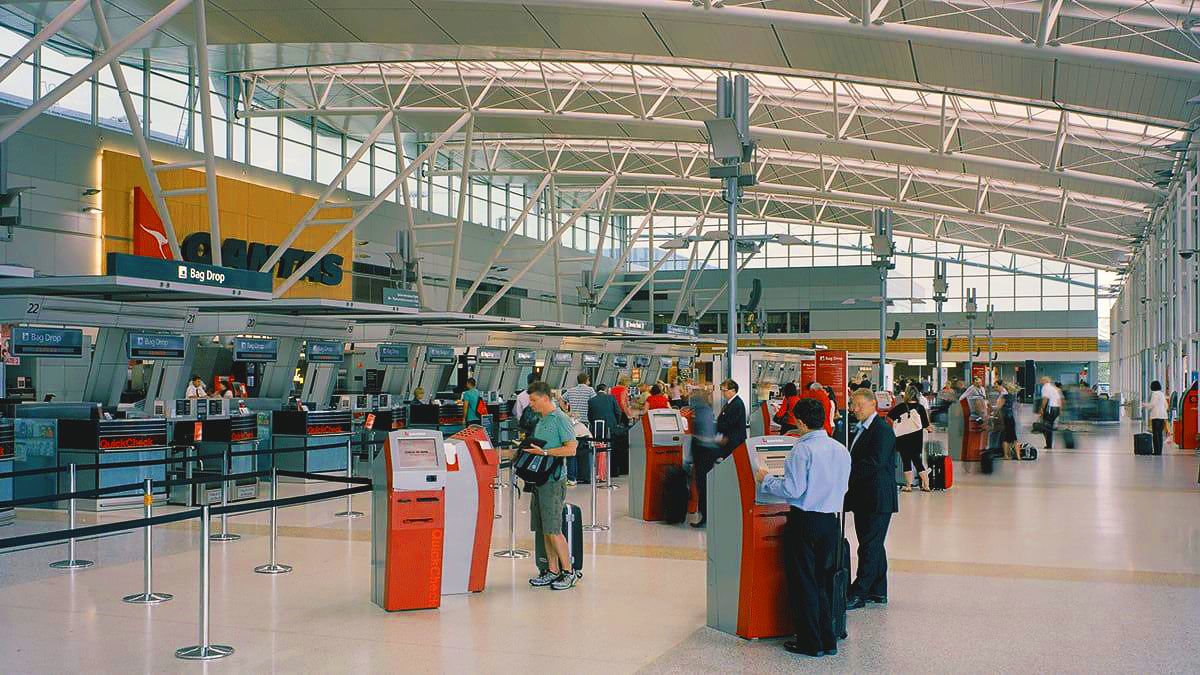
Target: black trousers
x,y
871,578
1048,418
810,542
704,457
1157,427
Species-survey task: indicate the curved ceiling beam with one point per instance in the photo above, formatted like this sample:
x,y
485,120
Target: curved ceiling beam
x,y
915,34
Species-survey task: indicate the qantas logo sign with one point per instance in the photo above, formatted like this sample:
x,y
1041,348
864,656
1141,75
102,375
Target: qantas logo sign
x,y
150,240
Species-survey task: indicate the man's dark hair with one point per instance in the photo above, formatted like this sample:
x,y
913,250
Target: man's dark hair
x,y
730,385
470,382
531,378
540,388
656,390
601,388
810,413
583,378
789,389
194,377
1156,386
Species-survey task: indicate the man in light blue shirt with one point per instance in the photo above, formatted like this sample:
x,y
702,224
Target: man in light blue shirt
x,y
816,477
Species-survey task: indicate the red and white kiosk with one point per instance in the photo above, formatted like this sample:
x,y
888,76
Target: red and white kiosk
x,y
408,512
747,590
662,443
470,510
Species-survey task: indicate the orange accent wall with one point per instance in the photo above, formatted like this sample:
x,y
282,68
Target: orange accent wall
x,y
248,211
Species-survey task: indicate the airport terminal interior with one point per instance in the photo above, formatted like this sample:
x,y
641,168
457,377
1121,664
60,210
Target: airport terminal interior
x,y
663,336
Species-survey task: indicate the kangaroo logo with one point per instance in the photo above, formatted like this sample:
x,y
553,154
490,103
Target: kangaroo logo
x,y
159,239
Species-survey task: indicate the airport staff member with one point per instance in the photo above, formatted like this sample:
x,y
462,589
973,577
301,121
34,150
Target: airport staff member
x,y
556,430
871,498
195,388
814,482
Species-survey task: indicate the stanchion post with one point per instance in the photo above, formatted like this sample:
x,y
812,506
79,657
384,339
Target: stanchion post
x,y
148,596
594,526
608,483
512,551
349,512
273,567
71,563
224,534
204,651
498,489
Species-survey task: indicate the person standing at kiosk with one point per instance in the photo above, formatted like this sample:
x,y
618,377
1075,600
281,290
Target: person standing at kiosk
x,y
816,476
871,498
731,432
470,399
556,432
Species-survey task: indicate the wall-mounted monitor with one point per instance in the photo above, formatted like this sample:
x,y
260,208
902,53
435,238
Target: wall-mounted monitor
x,y
324,351
262,350
440,355
665,362
53,342
620,361
156,346
591,360
641,361
391,354
489,355
524,358
561,359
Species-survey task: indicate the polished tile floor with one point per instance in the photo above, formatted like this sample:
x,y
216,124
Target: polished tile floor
x,y
1084,561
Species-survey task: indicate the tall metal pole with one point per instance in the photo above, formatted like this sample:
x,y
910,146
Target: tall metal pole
x,y
882,324
940,288
971,308
881,246
991,324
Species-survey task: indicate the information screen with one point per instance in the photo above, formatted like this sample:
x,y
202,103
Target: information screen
x,y
561,359
776,457
362,401
439,355
263,350
620,361
60,342
489,355
664,362
216,407
156,346
665,423
392,353
417,453
641,361
591,359
524,357
183,407
324,351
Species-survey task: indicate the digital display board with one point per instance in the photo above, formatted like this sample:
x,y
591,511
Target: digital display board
x,y
620,361
156,346
263,350
324,351
665,362
417,453
665,423
489,355
641,361
60,342
439,355
391,353
524,357
591,360
561,359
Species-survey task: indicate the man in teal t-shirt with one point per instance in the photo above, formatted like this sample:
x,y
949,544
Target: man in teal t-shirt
x,y
556,432
470,399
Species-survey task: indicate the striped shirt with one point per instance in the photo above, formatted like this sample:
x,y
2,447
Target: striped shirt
x,y
577,397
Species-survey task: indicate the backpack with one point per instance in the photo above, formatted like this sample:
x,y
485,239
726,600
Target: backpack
x,y
535,469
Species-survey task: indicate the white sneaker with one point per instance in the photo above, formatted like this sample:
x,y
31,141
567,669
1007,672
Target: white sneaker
x,y
571,483
543,579
565,581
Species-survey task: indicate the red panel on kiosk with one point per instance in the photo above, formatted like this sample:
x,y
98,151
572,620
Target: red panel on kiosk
x,y
974,433
808,373
487,464
1187,426
416,530
763,610
658,458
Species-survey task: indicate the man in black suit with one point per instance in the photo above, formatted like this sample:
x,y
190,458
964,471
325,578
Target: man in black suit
x,y
731,432
871,498
603,408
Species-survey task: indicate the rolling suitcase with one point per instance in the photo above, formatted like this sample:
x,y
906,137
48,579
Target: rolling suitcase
x,y
1068,438
1143,443
840,581
941,472
572,527
987,462
1028,452
677,492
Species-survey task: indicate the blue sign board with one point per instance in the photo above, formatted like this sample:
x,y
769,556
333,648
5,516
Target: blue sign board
x,y
591,360
440,355
489,355
60,342
324,351
263,350
641,361
176,271
681,331
620,361
391,353
401,297
665,362
524,358
561,360
158,346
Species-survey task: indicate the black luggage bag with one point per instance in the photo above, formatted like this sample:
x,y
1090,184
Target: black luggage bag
x,y
572,527
1143,444
677,491
987,461
840,581
1068,439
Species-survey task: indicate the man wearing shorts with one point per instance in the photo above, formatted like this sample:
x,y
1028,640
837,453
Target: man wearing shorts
x,y
557,432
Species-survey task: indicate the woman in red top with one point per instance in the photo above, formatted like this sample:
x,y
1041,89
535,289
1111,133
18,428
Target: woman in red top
x,y
815,390
621,393
790,397
657,400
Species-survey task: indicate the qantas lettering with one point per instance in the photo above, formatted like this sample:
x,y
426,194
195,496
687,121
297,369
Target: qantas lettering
x,y
239,254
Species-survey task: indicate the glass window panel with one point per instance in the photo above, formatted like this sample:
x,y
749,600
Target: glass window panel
x,y
359,179
328,166
777,322
1052,288
329,142
239,143
1027,302
218,130
78,102
297,159
168,123
1003,285
18,87
1003,304
293,130
262,150
1027,286
1053,303
1083,302
383,177
110,112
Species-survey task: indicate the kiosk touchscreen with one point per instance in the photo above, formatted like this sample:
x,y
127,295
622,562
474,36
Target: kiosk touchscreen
x,y
663,443
408,514
471,469
747,591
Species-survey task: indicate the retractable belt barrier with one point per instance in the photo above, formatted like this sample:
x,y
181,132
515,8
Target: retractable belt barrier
x,y
100,492
114,465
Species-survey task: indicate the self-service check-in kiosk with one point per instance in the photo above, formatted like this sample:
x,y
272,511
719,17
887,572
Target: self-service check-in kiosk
x,y
408,504
747,591
966,433
100,440
471,468
662,443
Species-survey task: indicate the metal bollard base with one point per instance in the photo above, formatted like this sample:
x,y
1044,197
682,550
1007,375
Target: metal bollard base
x,y
74,564
147,598
514,553
595,528
349,514
203,652
224,536
273,568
